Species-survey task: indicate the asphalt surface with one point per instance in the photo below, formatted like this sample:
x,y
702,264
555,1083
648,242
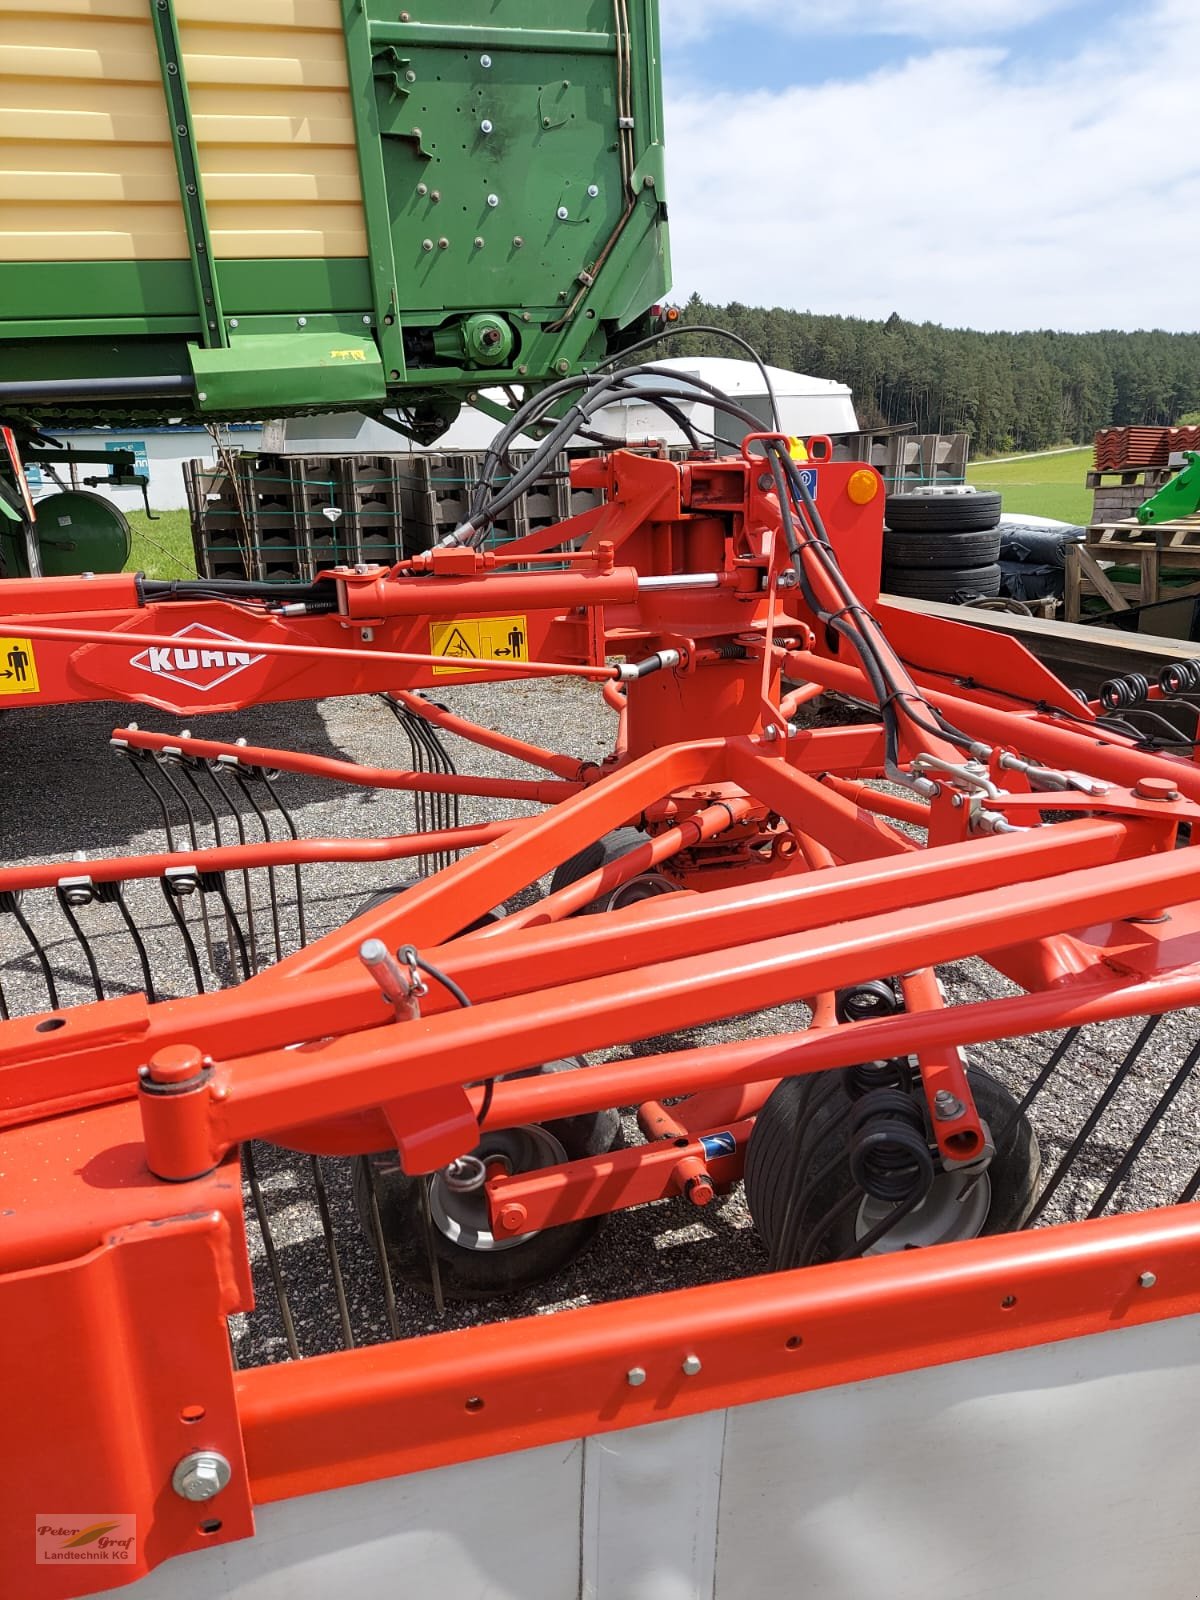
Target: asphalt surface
x,y
64,790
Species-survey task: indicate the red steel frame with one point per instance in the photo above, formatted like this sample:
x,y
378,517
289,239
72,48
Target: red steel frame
x,y
796,876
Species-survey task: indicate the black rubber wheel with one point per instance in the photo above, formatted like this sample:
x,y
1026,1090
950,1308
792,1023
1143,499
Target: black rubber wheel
x,y
596,855
953,585
950,547
934,512
468,1270
771,1157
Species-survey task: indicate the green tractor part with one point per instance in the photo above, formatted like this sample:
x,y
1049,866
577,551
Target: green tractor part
x,y
1178,497
374,213
75,531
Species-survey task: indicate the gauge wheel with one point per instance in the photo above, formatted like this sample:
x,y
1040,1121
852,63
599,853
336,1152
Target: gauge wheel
x,y
961,1204
473,1264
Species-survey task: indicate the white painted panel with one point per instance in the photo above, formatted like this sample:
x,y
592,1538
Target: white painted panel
x,y
1063,1472
650,1510
1069,1471
506,1528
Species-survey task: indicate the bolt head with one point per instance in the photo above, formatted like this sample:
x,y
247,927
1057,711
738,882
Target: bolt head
x,y
635,1377
201,1475
485,62
512,1216
486,125
233,322
690,1366
562,213
426,244
478,241
593,191
1147,1280
493,201
302,322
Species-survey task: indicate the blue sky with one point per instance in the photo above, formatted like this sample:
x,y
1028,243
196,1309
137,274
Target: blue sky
x,y
992,163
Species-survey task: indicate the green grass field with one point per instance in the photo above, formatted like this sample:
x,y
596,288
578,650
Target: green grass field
x,y
162,548
1050,485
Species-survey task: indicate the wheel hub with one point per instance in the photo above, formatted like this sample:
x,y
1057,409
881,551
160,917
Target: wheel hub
x,y
956,1207
458,1195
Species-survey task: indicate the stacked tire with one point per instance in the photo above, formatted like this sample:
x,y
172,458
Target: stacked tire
x,y
942,545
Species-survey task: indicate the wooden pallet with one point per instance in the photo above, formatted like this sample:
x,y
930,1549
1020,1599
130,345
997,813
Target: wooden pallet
x,y
1168,549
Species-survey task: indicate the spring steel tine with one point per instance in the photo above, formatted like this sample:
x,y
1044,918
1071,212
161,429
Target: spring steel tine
x,y
268,1239
1038,1084
380,1243
5,1013
164,770
439,761
291,828
1091,1120
335,1265
214,882
1190,1192
435,1272
189,942
110,894
1122,1169
81,939
272,889
138,763
11,903
218,840
215,771
417,758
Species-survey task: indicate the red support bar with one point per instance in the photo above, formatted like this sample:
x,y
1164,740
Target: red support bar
x,y
596,1185
545,791
533,755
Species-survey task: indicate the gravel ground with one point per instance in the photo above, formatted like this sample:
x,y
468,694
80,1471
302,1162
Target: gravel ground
x,y
67,792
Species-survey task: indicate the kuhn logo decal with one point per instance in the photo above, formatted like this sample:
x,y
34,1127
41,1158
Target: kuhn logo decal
x,y
202,659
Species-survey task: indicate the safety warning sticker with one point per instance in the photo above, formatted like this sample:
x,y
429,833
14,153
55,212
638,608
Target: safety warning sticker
x,y
18,669
479,639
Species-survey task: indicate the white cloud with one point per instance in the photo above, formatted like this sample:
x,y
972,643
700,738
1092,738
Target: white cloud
x,y
684,21
954,187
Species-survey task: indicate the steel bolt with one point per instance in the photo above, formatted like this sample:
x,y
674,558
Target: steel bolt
x,y
422,188
517,241
410,76
635,1377
562,213
367,319
493,201
443,243
485,126
691,1366
485,62
562,366
233,322
426,244
478,241
947,1106
302,322
1155,789
593,191
201,1475
1147,1280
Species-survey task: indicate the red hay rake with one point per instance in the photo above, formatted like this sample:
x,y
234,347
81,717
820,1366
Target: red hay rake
x,y
728,856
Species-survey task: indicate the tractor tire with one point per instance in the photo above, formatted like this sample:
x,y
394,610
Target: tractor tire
x,y
952,585
921,549
933,513
771,1158
472,1265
